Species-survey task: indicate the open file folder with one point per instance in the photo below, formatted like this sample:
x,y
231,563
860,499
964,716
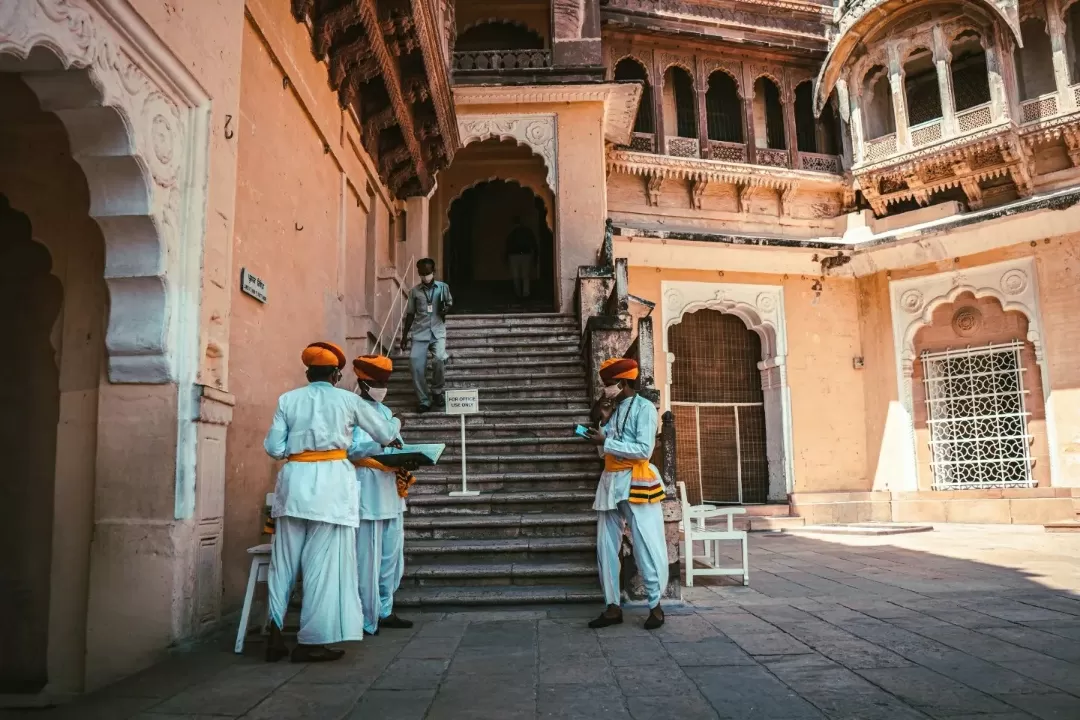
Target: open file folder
x,y
422,455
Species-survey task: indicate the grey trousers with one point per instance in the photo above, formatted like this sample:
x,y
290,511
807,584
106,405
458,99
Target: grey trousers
x,y
418,360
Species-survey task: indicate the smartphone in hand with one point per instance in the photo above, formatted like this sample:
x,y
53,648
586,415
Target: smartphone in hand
x,y
581,431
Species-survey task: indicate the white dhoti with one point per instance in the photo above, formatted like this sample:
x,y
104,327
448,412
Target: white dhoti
x,y
650,548
326,555
380,550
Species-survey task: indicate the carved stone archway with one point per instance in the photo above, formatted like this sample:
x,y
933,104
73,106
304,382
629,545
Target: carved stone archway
x,y
1012,283
136,120
537,131
761,308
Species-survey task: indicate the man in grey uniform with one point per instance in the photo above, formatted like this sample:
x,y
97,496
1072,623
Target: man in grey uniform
x,y
425,330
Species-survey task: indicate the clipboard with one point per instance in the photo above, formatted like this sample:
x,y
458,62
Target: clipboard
x,y
419,455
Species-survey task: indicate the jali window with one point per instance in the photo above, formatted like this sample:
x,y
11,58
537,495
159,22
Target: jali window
x,y
978,420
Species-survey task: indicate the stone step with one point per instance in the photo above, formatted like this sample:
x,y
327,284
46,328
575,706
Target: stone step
x,y
520,549
482,353
405,408
510,525
768,510
475,330
454,596
531,319
524,343
511,362
512,420
510,445
1063,527
487,503
543,463
430,484
502,574
519,385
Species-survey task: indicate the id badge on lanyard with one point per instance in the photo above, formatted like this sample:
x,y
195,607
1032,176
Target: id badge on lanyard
x,y
430,305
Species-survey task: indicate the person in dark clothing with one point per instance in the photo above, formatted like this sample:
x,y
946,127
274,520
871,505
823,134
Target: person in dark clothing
x,y
521,254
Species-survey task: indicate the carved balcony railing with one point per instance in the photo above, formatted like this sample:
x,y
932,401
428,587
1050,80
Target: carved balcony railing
x,y
642,142
974,119
493,60
819,162
773,158
1075,89
927,133
1038,109
880,148
727,151
683,147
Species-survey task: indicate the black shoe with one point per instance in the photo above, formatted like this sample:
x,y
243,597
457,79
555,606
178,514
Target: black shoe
x,y
440,401
655,619
607,618
394,622
275,646
372,634
315,653
423,409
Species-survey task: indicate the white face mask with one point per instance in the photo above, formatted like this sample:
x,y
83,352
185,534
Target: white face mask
x,y
427,279
376,394
611,391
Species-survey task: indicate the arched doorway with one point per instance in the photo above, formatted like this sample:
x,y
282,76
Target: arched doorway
x,y
477,257
719,407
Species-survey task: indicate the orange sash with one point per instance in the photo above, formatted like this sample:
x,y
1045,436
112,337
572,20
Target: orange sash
x,y
319,455
644,486
372,464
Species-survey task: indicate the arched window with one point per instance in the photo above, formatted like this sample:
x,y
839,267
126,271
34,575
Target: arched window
x,y
971,82
1034,61
806,130
630,69
723,109
921,87
879,118
828,129
499,35
768,115
680,110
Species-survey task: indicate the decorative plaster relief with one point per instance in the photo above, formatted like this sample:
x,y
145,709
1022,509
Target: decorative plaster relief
x,y
538,132
145,165
915,299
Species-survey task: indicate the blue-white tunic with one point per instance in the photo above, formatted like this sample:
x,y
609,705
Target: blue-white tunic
x,y
631,435
379,498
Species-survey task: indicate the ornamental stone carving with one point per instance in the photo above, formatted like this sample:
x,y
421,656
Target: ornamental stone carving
x,y
538,132
151,209
967,321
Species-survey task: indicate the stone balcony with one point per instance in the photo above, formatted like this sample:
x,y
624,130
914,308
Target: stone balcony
x,y
517,67
739,153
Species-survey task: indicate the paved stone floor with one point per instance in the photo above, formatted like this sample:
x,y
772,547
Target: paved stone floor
x,y
965,622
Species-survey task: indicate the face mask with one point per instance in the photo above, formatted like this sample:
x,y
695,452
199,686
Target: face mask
x,y
611,391
427,279
377,394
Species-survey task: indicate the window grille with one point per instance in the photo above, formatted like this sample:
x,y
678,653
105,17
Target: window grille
x,y
978,420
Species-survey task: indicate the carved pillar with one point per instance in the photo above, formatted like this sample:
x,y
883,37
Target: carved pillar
x,y
942,58
658,105
791,137
703,119
999,102
896,83
748,114
1059,46
842,108
857,143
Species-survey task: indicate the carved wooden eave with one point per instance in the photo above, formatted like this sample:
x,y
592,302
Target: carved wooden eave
x,y
788,24
700,173
863,18
387,63
620,101
1065,128
965,162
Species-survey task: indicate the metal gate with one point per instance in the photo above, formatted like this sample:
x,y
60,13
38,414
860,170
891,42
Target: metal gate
x,y
720,451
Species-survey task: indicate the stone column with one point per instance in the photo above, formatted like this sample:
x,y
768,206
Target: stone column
x,y
999,101
858,150
748,113
942,58
658,106
1059,47
842,107
703,118
896,83
791,136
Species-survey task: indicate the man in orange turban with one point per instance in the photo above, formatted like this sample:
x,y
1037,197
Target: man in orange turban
x,y
380,538
630,491
316,508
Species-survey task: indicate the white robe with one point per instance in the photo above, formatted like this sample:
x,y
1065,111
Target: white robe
x,y
317,511
380,539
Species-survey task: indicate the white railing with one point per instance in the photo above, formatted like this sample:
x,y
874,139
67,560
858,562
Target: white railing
x,y
819,162
396,312
880,148
974,118
1040,108
683,147
926,133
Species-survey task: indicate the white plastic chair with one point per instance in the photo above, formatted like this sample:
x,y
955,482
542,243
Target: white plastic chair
x,y
260,569
711,538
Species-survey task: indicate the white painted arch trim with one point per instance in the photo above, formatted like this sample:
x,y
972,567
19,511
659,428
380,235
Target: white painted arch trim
x,y
761,308
537,131
138,125
1013,283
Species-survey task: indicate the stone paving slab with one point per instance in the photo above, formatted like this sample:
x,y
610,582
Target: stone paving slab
x,y
957,624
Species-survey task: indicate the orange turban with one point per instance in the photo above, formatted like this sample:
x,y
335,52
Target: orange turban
x,y
376,368
323,354
618,369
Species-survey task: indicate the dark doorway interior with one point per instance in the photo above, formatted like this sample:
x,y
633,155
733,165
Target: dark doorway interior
x,y
29,411
475,249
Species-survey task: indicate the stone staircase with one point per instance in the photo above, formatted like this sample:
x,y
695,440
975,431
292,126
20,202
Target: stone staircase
x,y
530,535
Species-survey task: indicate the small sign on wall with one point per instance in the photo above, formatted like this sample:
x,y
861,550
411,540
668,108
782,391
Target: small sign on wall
x,y
252,285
